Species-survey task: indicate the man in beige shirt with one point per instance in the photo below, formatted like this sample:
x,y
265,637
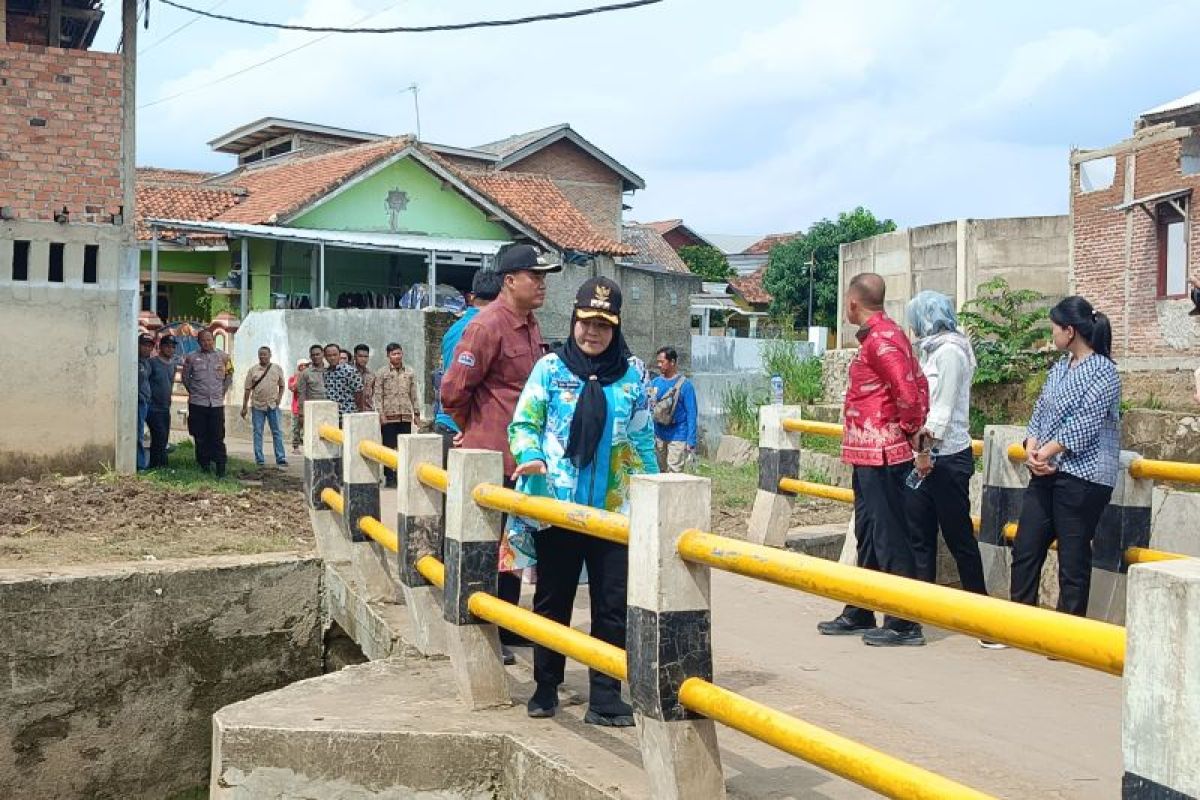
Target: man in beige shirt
x,y
362,356
263,390
396,400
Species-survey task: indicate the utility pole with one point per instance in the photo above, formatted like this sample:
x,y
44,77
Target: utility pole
x,y
412,87
812,263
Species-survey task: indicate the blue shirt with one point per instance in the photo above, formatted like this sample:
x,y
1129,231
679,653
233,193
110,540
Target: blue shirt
x,y
683,420
449,342
1080,408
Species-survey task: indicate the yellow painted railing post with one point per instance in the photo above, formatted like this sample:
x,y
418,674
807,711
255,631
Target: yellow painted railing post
x,y
418,527
1160,739
323,470
670,637
373,566
472,551
778,457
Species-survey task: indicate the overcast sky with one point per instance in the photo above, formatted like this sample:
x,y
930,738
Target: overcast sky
x,y
750,117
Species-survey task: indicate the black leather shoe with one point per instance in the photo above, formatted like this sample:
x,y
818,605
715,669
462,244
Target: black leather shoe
x,y
845,626
544,702
507,656
619,715
890,637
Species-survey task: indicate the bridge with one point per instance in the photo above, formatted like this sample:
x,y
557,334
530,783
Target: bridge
x,y
733,690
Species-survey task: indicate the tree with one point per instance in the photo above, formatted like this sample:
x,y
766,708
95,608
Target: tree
x,y
786,276
1006,325
706,261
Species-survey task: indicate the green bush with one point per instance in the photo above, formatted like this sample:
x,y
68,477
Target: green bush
x,y
801,375
741,412
1006,325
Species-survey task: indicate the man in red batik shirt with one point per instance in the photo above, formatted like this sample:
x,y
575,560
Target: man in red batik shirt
x,y
885,408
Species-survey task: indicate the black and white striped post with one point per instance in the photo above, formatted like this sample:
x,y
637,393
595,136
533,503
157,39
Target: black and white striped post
x,y
418,526
472,551
1004,484
360,496
778,457
669,636
1160,739
323,470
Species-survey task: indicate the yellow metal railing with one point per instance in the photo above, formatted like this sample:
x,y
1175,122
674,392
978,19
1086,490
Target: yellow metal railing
x,y
585,519
433,477
331,433
1079,640
856,762
834,431
377,452
796,486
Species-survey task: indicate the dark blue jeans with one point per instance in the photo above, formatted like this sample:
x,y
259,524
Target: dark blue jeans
x,y
143,458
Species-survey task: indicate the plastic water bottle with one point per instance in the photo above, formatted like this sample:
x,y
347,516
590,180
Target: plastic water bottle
x,y
915,479
777,390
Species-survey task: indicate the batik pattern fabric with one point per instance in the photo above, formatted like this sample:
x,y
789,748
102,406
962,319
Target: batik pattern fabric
x,y
887,398
342,382
539,432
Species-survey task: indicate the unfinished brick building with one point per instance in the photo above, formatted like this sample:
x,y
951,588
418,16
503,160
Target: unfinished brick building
x,y
1134,242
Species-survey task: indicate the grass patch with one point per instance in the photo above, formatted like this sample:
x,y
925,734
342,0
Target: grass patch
x,y
732,487
741,412
185,473
828,445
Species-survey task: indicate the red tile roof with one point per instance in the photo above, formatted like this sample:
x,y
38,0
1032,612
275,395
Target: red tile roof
x,y
158,174
750,287
537,202
269,194
652,248
662,226
764,245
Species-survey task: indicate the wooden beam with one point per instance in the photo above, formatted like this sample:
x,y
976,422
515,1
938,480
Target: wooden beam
x,y
54,24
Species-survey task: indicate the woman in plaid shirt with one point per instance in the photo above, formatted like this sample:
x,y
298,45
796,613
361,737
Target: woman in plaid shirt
x,y
1072,451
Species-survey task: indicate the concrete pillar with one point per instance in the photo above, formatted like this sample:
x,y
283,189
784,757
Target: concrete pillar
x,y
472,556
418,520
1004,484
373,566
778,457
1160,740
669,638
1124,524
323,470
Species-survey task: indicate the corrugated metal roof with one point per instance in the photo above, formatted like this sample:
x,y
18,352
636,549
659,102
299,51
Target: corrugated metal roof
x,y
394,242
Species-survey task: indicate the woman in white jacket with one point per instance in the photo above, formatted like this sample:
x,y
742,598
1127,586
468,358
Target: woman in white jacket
x,y
945,459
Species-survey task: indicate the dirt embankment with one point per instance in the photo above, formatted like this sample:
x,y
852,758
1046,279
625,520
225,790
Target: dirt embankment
x,y
89,518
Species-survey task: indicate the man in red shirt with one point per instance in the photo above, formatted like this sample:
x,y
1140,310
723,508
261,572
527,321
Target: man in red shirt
x,y
491,363
886,403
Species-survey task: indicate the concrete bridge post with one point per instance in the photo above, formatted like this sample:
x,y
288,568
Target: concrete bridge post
x,y
418,522
1004,483
360,492
669,638
778,457
323,470
472,551
1160,739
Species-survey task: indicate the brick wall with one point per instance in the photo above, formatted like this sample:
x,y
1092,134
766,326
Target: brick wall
x,y
60,132
1126,287
590,185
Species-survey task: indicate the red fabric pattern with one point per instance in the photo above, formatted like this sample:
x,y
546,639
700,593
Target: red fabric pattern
x,y
887,398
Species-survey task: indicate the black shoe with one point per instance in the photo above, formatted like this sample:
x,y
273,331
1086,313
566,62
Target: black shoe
x,y
220,469
620,715
510,639
544,702
507,656
845,626
389,483
891,637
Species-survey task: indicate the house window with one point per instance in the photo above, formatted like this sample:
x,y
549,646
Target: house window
x,y
1189,155
1097,174
91,257
55,274
1172,251
20,260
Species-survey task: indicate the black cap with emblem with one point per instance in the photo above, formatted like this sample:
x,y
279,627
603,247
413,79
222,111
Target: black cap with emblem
x,y
599,297
525,256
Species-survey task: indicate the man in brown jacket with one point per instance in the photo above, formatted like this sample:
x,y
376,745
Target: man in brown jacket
x,y
396,400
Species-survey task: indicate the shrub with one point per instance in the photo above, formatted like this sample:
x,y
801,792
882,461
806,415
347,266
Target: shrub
x,y
1005,326
741,412
801,375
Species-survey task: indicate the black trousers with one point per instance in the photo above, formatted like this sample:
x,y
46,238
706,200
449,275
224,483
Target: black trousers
x,y
943,500
390,432
561,555
1066,508
207,426
158,420
881,528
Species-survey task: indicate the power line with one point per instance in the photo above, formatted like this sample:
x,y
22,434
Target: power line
x,y
187,24
258,64
460,26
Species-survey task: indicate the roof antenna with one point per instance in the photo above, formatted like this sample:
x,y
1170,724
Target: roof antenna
x,y
412,87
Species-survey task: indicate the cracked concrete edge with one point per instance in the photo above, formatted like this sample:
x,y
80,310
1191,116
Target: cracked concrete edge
x,y
381,630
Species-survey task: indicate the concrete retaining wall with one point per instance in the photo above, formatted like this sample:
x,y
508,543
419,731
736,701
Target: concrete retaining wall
x,y
109,675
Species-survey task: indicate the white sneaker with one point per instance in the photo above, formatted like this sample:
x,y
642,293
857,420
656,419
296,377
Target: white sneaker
x,y
986,645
